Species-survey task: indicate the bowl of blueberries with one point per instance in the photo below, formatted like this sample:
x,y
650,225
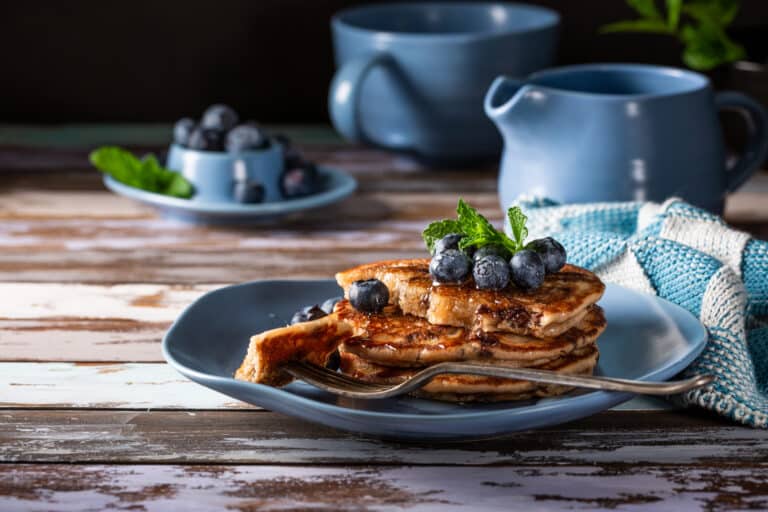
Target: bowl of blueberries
x,y
220,169
229,161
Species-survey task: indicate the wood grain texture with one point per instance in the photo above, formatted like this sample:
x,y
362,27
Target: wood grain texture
x,y
251,488
114,386
261,437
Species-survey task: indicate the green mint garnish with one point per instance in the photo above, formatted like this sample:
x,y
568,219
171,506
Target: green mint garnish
x,y
146,174
477,231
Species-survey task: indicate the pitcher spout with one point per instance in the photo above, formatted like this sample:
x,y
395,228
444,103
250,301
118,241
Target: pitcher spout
x,y
502,95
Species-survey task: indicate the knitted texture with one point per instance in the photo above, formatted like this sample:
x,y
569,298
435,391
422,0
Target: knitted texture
x,y
692,258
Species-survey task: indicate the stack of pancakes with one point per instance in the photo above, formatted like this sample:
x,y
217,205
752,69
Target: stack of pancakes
x,y
554,327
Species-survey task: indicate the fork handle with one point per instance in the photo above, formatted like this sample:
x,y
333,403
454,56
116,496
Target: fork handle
x,y
579,381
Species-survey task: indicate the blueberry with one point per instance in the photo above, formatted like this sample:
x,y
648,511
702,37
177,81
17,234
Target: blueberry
x,y
551,251
248,192
182,130
307,313
370,295
246,137
329,304
299,179
450,241
490,250
219,117
491,273
206,140
450,266
334,361
527,269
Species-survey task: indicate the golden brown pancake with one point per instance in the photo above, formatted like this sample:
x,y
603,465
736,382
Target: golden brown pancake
x,y
558,305
394,339
473,387
312,341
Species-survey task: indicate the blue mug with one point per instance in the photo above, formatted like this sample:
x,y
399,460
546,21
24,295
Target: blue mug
x,y
411,77
620,132
214,174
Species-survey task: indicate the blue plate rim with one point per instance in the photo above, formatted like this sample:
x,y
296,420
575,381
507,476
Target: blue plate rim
x,y
593,400
342,185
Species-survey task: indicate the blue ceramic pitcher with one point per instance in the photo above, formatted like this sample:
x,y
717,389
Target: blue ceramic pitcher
x,y
620,132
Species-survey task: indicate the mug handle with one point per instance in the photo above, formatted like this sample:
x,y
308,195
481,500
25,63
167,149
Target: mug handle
x,y
344,94
756,118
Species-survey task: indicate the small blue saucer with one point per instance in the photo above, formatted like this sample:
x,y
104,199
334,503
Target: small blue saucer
x,y
337,185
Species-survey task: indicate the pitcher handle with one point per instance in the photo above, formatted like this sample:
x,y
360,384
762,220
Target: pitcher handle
x,y
344,95
756,150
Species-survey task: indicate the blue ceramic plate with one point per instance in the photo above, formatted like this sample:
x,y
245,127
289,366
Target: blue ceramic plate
x,y
337,186
647,338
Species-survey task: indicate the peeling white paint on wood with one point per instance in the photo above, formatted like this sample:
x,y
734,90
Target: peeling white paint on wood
x,y
141,302
118,386
419,489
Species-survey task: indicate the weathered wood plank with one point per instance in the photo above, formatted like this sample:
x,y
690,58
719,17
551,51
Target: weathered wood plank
x,y
246,488
115,386
261,437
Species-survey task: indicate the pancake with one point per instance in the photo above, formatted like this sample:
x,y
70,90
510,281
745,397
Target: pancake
x,y
473,387
312,341
558,305
394,339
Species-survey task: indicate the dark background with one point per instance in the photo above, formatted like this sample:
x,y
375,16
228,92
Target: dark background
x,y
157,60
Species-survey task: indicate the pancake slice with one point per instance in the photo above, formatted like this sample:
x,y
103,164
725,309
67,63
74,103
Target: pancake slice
x,y
559,304
473,387
312,341
394,339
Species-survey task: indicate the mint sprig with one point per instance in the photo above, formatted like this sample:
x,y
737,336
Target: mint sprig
x,y
146,174
477,231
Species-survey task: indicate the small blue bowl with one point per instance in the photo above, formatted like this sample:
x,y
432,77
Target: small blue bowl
x,y
214,174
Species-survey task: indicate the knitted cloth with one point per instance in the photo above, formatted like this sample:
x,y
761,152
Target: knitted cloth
x,y
692,258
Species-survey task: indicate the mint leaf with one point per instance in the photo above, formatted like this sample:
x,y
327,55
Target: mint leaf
x,y
651,26
517,220
437,230
478,231
146,174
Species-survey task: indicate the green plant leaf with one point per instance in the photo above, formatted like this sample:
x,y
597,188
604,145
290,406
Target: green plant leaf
x,y
717,12
645,8
146,174
437,230
652,26
708,46
673,13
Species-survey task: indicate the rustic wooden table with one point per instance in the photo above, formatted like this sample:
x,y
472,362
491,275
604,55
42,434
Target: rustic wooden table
x,y
91,418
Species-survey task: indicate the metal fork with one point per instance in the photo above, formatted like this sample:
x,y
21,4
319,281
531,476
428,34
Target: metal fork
x,y
344,385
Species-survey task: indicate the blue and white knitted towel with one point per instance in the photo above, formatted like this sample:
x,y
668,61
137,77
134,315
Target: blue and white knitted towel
x,y
692,258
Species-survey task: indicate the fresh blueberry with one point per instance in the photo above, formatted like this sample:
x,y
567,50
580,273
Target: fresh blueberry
x,y
491,273
551,251
450,241
206,140
527,269
248,192
306,314
334,361
246,137
490,250
329,304
182,130
370,295
219,117
450,266
299,179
